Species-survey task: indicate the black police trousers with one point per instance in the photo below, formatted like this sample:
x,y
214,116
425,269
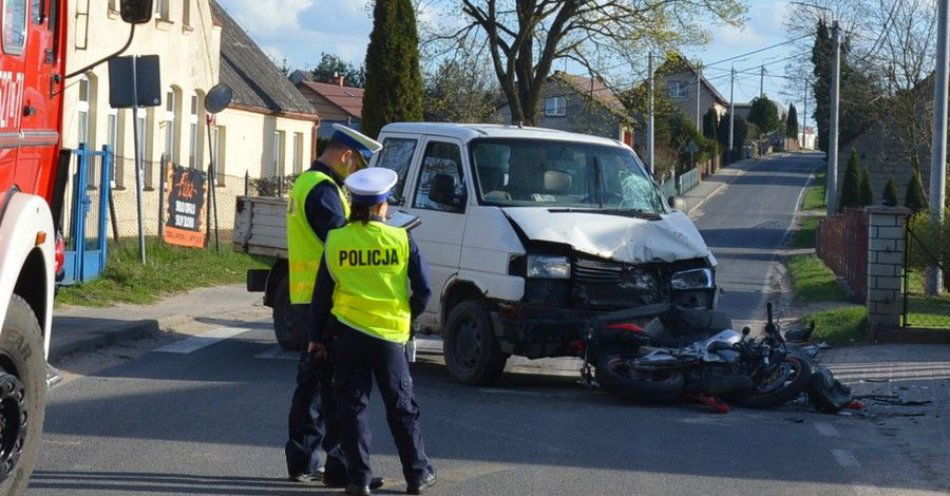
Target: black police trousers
x,y
359,358
314,419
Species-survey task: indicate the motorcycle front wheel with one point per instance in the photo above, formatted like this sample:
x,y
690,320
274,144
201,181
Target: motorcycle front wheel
x,y
787,382
617,376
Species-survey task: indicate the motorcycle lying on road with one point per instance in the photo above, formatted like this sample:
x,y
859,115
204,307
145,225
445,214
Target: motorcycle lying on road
x,y
692,354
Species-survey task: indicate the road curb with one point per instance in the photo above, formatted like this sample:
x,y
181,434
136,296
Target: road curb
x,y
129,332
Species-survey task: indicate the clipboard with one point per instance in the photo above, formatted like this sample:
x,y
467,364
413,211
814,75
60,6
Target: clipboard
x,y
404,220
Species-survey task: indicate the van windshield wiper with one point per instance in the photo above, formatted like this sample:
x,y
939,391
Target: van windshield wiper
x,y
625,212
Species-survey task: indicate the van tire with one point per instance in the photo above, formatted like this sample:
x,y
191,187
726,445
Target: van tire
x,y
471,350
283,314
22,393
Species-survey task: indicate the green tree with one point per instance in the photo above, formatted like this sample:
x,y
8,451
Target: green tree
x,y
740,133
915,199
764,114
791,124
890,193
851,185
711,124
866,189
332,66
393,80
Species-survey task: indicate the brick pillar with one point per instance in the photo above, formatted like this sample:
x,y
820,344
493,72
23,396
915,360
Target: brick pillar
x,y
885,267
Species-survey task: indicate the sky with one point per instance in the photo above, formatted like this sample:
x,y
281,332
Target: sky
x,y
299,30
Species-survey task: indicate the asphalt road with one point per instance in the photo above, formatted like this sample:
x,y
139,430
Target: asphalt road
x,y
747,221
208,416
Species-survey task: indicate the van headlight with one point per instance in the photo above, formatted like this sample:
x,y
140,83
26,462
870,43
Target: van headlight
x,y
548,267
693,279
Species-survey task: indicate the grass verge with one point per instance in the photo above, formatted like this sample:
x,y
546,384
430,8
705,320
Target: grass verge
x,y
926,311
807,233
813,281
815,194
845,325
169,270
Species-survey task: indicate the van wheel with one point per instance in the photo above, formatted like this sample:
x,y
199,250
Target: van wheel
x,y
470,347
22,395
284,318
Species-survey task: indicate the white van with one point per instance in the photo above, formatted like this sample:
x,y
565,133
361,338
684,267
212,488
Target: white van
x,y
520,224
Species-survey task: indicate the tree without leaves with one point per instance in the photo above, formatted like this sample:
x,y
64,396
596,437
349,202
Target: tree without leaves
x,y
791,125
459,92
525,37
393,81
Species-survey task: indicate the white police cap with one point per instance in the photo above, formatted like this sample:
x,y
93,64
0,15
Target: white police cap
x,y
371,186
364,145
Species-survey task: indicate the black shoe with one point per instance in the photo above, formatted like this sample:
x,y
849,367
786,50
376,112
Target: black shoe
x,y
420,486
335,482
307,478
357,491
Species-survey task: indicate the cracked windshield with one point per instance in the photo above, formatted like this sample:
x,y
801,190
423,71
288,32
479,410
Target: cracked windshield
x,y
530,173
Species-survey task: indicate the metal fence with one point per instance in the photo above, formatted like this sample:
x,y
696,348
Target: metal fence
x,y
926,249
668,188
687,181
842,243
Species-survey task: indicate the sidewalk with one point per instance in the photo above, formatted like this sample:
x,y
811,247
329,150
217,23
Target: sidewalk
x,y
79,329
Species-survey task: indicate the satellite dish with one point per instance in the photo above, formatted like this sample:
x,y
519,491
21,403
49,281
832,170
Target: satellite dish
x,y
218,98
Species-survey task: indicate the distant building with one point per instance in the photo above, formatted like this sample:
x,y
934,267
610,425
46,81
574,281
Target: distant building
x,y
681,88
582,105
808,138
335,102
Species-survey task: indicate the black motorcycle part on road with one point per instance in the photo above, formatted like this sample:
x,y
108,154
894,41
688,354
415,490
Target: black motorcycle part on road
x,y
786,384
617,376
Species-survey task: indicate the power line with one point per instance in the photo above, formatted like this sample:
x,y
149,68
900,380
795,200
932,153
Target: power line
x,y
793,40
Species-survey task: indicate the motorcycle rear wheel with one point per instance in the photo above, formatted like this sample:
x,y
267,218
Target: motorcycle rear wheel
x,y
617,377
788,381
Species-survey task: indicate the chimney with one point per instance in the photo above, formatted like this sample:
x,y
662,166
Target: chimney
x,y
341,80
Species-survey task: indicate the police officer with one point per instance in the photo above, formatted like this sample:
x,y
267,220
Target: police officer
x,y
371,284
317,204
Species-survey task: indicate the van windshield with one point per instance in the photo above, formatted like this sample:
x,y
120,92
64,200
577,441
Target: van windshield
x,y
557,174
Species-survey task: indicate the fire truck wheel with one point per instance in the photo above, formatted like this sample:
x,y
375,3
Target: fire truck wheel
x,y
22,395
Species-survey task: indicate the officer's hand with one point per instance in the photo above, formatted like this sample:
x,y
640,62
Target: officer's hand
x,y
317,350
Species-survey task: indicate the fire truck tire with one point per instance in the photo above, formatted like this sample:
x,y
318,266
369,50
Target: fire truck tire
x,y
22,395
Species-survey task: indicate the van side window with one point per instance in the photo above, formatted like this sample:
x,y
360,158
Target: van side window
x,y
397,155
14,26
441,183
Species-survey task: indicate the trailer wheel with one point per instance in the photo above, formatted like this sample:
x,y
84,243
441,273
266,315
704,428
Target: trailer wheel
x,y
283,315
471,350
22,395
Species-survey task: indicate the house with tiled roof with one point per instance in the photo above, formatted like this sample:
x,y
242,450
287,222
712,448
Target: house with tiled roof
x,y
336,103
582,105
269,129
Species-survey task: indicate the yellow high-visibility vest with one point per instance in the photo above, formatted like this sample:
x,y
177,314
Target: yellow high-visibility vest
x,y
304,248
370,266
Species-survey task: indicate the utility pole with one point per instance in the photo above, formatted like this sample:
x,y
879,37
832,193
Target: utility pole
x,y
650,155
762,81
805,115
732,109
699,84
938,160
831,196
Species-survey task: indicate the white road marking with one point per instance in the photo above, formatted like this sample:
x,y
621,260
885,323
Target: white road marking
x,y
196,343
826,429
862,490
845,458
278,353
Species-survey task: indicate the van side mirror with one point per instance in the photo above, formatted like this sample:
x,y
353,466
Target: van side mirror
x,y
442,190
136,11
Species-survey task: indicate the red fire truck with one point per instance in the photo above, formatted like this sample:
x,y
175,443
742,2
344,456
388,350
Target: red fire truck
x,y
33,176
